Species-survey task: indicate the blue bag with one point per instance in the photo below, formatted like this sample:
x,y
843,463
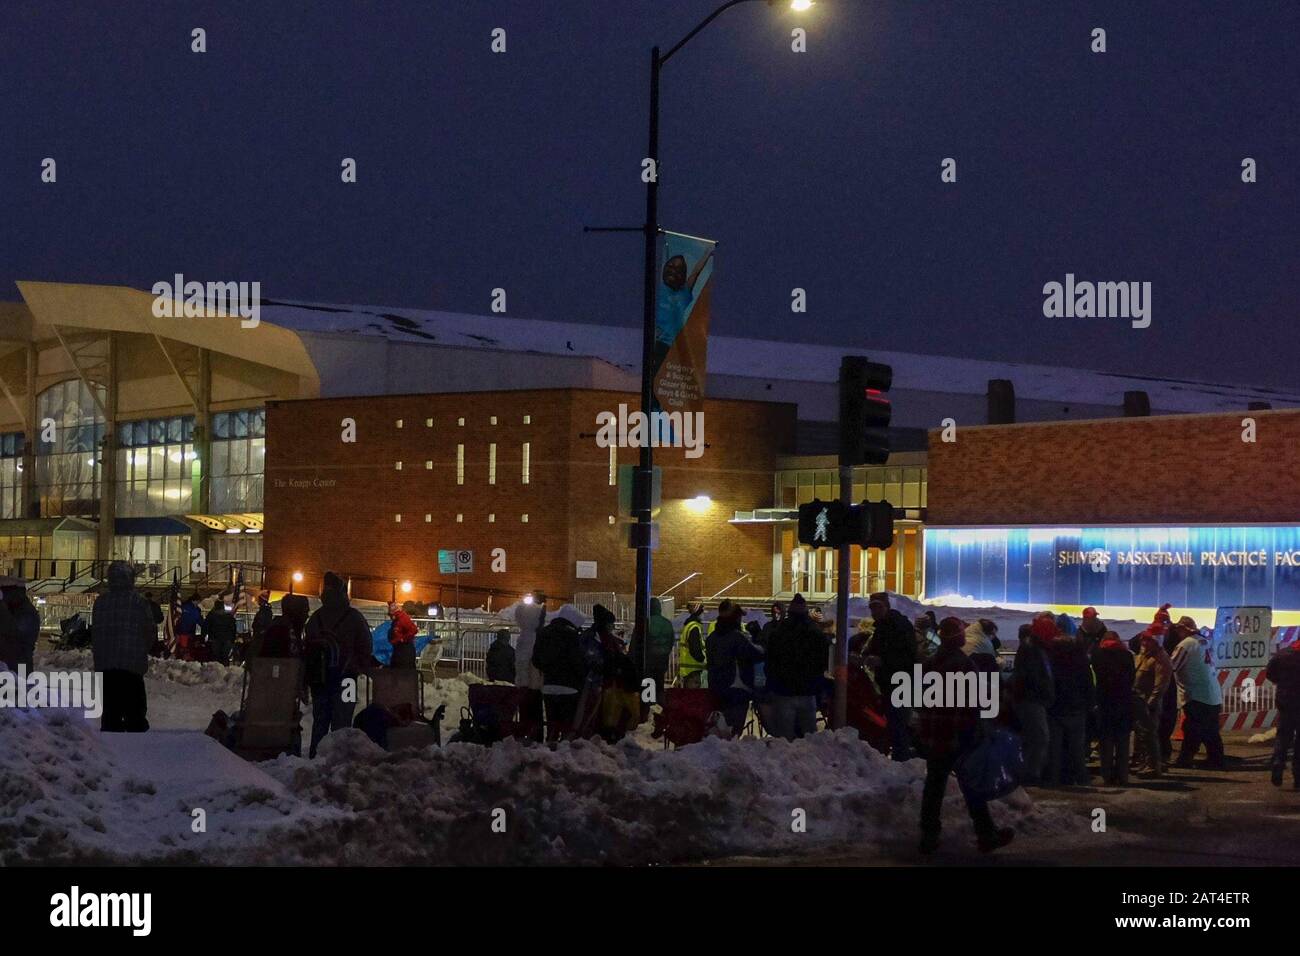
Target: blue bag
x,y
993,767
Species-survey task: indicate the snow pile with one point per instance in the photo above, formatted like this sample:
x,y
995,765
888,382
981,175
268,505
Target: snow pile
x,y
589,802
69,794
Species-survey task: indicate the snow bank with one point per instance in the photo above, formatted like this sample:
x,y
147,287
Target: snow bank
x,y
589,802
71,794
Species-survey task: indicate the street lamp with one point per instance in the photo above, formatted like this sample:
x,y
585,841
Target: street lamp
x,y
295,579
643,479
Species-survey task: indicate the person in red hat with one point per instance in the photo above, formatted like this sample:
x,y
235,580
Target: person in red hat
x,y
1091,630
947,733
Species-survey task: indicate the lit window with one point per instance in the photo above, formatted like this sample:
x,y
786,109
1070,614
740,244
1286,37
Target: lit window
x,y
459,518
428,465
524,519
428,519
460,422
611,519
399,466
397,518
428,423
399,423
492,519
613,464
492,420
528,419
460,464
492,463
526,474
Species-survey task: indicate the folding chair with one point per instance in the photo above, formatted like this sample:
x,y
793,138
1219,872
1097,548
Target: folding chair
x,y
685,715
270,722
400,690
501,700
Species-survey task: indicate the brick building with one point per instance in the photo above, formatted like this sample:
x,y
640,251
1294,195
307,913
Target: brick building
x,y
514,470
1124,514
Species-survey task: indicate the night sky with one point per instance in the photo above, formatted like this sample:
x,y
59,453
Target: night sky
x,y
817,170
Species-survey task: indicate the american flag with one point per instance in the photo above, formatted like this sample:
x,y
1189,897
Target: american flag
x,y
173,615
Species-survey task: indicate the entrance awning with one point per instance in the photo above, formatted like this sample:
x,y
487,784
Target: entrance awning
x,y
150,526
245,523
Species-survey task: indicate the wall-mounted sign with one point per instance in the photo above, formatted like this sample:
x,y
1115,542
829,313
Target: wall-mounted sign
x,y
585,569
1243,637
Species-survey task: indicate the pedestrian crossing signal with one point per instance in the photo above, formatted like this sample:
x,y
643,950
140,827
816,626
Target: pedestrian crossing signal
x,y
830,524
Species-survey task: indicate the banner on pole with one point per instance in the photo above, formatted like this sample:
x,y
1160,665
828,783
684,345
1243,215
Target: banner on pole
x,y
682,295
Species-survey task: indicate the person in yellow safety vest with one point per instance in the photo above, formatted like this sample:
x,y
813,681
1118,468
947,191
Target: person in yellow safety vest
x,y
690,649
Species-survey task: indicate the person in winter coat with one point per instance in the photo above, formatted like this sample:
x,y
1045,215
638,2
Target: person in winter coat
x,y
892,650
531,618
402,637
27,623
262,619
690,649
731,655
187,628
1067,717
1114,669
500,658
219,629
652,656
557,656
1284,671
795,665
982,645
1200,698
945,734
593,644
1091,630
337,647
620,701
927,635
1033,691
1152,675
121,637
778,615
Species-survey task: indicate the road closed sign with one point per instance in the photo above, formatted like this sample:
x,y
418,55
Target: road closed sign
x,y
1243,637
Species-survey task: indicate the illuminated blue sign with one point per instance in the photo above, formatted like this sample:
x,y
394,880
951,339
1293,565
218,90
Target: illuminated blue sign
x,y
1201,567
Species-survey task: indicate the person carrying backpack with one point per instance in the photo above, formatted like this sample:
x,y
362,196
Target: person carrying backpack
x,y
337,648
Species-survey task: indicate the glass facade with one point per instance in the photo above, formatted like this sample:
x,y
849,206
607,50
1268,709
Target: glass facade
x,y
903,486
68,469
238,461
155,467
11,475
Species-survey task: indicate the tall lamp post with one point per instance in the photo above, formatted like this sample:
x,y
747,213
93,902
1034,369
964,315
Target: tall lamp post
x,y
643,481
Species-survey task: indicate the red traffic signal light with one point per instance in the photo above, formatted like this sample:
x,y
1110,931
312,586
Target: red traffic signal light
x,y
865,411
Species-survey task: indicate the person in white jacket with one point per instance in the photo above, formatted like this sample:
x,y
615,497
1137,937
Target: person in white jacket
x,y
530,618
982,640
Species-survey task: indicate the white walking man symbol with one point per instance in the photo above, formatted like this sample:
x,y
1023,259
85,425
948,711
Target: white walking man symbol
x,y
823,523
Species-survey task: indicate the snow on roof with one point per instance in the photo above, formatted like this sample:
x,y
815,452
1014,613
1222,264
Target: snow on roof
x,y
744,357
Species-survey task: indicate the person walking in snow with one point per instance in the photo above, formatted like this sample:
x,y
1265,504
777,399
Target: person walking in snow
x,y
1114,670
1200,698
121,637
946,733
892,650
338,649
1033,691
402,637
1284,671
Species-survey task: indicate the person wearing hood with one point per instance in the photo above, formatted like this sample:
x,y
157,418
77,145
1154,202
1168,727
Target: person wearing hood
x,y
594,644
927,635
892,650
1067,717
1284,671
530,618
1032,692
690,648
121,637
795,665
402,636
1091,630
27,622
1153,672
770,625
982,644
946,733
500,658
337,647
219,629
1200,698
1113,666
651,656
731,655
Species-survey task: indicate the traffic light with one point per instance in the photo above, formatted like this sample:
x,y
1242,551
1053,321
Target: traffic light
x,y
829,524
874,525
864,411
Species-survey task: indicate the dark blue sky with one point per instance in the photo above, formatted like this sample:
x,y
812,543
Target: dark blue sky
x,y
818,170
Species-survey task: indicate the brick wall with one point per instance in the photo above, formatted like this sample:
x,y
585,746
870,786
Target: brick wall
x,y
331,504
1161,469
